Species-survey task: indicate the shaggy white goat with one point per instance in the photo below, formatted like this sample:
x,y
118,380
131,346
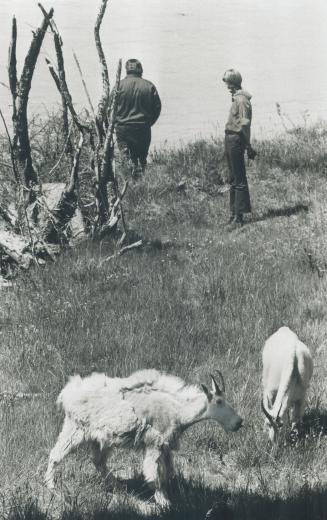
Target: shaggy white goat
x,y
148,410
287,370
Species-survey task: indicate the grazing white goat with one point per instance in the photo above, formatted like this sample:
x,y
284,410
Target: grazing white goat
x,y
287,370
148,410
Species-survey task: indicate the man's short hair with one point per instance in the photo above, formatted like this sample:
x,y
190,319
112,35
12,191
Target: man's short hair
x,y
134,66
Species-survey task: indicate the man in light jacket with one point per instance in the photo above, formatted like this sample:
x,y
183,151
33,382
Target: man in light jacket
x,y
237,140
138,108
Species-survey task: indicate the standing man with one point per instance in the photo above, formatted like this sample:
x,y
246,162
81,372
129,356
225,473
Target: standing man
x,y
237,140
138,108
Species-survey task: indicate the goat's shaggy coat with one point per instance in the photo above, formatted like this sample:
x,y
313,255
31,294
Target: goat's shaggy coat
x,y
287,370
147,410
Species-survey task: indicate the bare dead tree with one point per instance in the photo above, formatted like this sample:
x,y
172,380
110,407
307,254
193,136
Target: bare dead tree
x,y
39,224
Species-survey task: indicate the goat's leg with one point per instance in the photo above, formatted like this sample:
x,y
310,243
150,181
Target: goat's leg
x,y
296,414
69,438
157,467
100,457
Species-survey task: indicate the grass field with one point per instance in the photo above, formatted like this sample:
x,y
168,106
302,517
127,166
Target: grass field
x,y
195,299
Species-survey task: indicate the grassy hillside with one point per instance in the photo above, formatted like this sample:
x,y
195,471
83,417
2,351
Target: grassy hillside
x,y
197,298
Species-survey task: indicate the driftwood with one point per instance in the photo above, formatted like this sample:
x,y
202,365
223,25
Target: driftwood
x,y
16,247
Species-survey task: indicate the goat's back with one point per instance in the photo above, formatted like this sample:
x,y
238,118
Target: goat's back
x,y
278,356
78,389
282,354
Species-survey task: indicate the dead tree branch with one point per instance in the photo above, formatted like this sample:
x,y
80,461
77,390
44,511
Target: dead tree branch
x,y
12,65
84,84
74,172
103,103
114,216
60,81
122,251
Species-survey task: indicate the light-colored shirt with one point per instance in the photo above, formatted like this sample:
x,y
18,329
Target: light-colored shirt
x,y
240,115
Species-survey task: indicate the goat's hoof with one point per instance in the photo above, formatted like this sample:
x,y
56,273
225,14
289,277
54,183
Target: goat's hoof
x,y
50,487
49,483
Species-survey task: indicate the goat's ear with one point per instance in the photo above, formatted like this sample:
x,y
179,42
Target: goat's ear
x,y
215,388
206,391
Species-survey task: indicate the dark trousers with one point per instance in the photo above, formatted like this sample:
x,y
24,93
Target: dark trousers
x,y
239,190
134,142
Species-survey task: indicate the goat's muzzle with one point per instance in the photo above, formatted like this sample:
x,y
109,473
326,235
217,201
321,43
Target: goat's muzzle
x,y
238,424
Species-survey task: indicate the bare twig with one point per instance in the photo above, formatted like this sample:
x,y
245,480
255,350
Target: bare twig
x,y
53,169
12,154
61,84
5,164
15,396
84,84
123,250
96,124
74,173
4,85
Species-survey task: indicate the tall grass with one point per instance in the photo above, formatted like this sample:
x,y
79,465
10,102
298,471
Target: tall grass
x,y
195,299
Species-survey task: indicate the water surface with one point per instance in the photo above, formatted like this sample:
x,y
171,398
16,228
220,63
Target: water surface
x,y
185,47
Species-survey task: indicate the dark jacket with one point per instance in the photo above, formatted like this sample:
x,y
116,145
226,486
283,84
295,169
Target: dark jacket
x,y
138,102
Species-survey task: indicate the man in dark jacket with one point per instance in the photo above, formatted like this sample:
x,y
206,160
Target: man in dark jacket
x,y
237,140
138,108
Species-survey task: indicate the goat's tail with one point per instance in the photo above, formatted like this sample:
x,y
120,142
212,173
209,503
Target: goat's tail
x,y
286,381
68,392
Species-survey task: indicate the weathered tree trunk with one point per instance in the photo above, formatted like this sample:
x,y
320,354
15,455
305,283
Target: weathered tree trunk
x,y
53,230
20,92
106,173
104,101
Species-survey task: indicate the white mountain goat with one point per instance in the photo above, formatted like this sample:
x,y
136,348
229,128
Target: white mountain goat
x,y
287,370
148,410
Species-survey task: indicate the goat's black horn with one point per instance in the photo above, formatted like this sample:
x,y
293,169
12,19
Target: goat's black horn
x,y
269,417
